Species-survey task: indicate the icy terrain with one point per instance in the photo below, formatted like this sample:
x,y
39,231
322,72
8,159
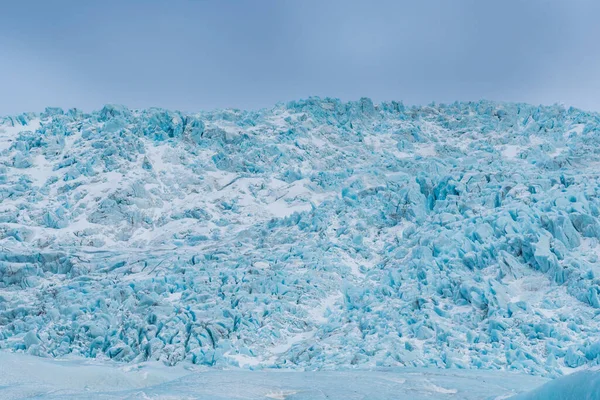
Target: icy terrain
x,y
315,235
583,385
93,380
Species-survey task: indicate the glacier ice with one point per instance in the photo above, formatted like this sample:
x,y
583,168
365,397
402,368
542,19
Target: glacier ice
x,y
318,234
27,377
583,385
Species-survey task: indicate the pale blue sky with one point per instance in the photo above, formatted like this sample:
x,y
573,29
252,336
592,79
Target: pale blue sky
x,y
194,55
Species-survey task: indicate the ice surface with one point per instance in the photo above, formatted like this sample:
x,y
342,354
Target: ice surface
x,y
33,377
584,385
315,235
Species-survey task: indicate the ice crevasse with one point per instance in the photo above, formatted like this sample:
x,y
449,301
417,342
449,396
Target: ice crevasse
x,y
317,234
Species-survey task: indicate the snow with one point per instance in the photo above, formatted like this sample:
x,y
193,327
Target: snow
x,y
280,395
42,171
426,151
511,151
291,341
328,304
281,209
536,140
439,389
244,360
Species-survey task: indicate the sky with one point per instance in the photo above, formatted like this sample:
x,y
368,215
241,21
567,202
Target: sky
x,y
203,54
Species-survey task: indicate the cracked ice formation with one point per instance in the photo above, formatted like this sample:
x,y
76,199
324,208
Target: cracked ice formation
x,y
318,234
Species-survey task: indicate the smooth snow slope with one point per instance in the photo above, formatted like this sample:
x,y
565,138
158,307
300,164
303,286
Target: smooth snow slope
x,y
317,235
27,377
583,385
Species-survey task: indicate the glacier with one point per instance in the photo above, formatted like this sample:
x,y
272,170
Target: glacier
x,y
315,235
583,385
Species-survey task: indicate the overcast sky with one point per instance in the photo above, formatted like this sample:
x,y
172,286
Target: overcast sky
x,y
194,55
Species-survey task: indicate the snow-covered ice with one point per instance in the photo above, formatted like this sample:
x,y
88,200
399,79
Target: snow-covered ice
x,y
94,380
583,385
315,235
